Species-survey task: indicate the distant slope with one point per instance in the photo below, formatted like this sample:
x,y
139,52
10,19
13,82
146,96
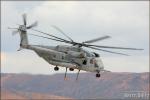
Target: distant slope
x,y
28,95
110,85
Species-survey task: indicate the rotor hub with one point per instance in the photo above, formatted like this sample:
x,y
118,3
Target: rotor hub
x,y
22,28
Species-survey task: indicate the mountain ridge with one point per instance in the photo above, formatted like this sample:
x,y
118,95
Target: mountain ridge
x,y
109,85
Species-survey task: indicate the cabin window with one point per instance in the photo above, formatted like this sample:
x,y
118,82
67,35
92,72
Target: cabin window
x,y
84,62
54,56
62,57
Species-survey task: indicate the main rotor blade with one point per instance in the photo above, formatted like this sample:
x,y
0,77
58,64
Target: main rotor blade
x,y
97,39
58,29
12,28
51,38
50,35
108,51
111,47
24,19
32,25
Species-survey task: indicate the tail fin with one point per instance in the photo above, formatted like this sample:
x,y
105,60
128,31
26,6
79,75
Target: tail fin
x,y
22,30
23,39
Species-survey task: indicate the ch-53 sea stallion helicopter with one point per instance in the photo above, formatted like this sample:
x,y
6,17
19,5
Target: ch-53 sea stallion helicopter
x,y
72,57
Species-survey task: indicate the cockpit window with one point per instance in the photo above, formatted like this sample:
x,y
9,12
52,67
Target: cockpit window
x,y
93,61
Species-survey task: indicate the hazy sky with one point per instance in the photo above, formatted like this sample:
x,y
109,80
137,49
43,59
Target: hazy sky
x,y
127,22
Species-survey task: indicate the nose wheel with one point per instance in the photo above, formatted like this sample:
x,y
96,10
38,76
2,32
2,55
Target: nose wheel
x,y
56,68
98,75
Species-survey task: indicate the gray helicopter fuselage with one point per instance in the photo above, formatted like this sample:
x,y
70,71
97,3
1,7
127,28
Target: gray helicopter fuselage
x,y
69,56
72,57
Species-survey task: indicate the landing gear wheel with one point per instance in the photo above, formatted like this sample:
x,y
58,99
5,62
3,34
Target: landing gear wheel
x,y
98,75
71,69
56,68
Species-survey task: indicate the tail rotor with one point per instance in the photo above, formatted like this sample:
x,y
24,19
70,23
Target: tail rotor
x,y
24,27
22,30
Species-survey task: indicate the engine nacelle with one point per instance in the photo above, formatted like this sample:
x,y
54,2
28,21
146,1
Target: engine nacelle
x,y
77,54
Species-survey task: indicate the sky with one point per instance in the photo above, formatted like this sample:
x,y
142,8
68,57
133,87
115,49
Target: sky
x,y
127,22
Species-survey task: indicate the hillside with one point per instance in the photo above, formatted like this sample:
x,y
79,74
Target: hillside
x,y
110,85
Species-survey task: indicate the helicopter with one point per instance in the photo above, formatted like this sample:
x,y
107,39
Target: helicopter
x,y
72,57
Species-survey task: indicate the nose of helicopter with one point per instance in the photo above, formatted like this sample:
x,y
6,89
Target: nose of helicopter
x,y
99,64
